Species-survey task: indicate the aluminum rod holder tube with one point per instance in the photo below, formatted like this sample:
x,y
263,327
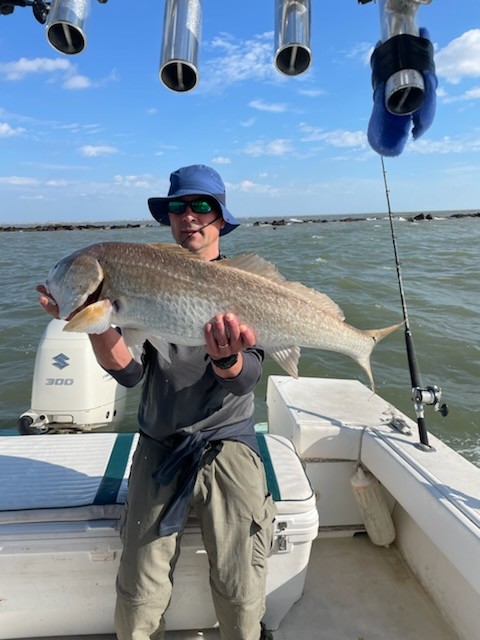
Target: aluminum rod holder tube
x,y
66,25
404,89
293,55
181,37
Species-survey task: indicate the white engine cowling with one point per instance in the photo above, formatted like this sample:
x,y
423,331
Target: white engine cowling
x,y
70,389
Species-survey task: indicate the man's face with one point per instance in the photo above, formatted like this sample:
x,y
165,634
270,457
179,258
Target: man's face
x,y
197,232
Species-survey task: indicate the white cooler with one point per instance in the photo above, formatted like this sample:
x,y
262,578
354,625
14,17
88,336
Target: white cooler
x,y
61,497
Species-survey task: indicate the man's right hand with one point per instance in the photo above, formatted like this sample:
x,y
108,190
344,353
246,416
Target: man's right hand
x,y
46,302
109,347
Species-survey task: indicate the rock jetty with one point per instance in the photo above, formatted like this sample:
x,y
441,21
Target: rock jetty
x,y
282,222
416,218
73,227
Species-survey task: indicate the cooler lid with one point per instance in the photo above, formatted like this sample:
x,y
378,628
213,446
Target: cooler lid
x,y
286,478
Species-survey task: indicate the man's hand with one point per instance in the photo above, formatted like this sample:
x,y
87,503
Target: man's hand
x,y
226,336
46,302
109,347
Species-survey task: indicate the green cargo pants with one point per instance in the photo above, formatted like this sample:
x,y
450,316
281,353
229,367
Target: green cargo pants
x,y
235,513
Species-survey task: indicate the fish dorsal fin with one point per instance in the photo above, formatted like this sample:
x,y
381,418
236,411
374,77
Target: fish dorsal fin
x,y
287,358
174,248
261,267
166,246
317,298
254,264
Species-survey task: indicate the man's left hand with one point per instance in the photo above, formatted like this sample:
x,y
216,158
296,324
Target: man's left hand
x,y
225,336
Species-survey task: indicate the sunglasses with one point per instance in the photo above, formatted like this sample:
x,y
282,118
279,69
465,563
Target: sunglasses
x,y
197,206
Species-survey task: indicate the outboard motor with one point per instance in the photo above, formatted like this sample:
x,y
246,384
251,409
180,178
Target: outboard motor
x,y
403,55
70,391
292,36
181,37
66,25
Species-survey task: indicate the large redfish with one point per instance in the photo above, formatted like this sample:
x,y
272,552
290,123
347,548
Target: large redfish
x,y
167,294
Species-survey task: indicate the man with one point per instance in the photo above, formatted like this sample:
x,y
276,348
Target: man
x,y
197,449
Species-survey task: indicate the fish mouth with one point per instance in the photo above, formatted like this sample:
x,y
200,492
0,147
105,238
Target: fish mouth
x,y
95,295
90,299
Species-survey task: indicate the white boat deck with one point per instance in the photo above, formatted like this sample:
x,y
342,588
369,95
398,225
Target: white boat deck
x,y
357,591
354,591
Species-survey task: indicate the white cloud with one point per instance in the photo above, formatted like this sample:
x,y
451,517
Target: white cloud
x,y
311,93
6,131
221,160
23,181
23,67
94,127
460,58
236,61
362,50
75,126
133,181
261,105
91,151
278,147
447,144
470,94
248,123
334,138
248,186
56,183
19,69
77,82
19,181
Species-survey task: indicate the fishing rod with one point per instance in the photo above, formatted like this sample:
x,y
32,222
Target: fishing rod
x,y
421,395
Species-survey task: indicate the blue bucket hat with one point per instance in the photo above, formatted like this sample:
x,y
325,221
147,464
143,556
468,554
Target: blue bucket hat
x,y
195,179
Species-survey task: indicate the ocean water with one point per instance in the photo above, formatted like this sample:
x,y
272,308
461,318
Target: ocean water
x,y
352,262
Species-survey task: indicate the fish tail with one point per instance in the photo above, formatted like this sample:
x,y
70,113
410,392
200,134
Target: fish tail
x,y
376,335
380,334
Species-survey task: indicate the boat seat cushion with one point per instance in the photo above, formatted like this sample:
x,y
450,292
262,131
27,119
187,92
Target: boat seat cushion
x,y
77,477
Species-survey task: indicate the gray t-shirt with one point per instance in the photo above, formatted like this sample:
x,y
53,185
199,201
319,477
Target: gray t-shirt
x,y
185,395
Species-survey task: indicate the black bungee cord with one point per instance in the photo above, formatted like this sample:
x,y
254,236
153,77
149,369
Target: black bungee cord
x,y
421,395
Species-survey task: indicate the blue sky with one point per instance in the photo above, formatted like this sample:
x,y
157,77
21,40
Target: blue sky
x,y
92,136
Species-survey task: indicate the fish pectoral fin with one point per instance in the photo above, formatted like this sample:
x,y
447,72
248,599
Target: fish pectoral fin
x,y
162,346
96,318
135,339
287,358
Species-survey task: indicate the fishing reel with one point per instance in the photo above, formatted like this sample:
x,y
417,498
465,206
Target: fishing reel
x,y
39,7
430,395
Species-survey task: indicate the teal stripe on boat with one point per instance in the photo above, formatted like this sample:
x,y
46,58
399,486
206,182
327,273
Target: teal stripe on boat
x,y
112,479
269,470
